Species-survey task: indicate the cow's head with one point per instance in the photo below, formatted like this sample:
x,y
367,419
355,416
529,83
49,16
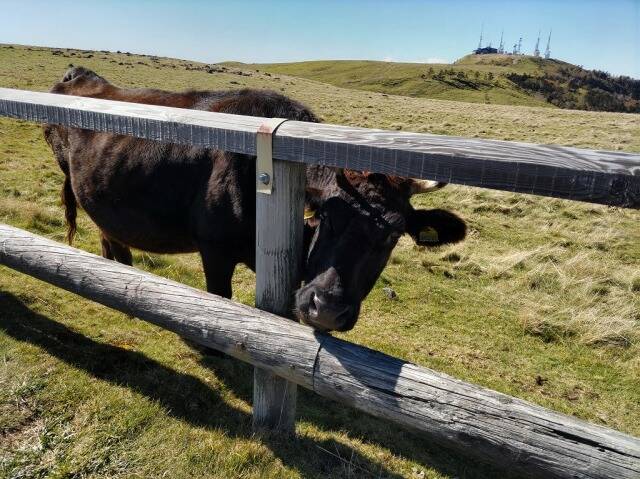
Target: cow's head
x,y
351,230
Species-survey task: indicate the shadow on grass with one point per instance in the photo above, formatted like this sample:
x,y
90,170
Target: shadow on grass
x,y
188,398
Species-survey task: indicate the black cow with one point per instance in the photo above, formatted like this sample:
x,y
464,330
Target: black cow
x,y
168,198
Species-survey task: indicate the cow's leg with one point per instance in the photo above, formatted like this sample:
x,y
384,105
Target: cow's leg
x,y
218,270
121,253
113,250
106,247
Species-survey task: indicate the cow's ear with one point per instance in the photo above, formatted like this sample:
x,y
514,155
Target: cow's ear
x,y
435,227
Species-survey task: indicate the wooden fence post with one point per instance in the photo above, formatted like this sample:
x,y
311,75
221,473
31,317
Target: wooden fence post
x,y
279,242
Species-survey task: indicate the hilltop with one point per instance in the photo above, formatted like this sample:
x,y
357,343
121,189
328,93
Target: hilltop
x,y
499,79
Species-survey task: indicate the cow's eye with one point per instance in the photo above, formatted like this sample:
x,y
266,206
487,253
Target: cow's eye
x,y
325,220
322,217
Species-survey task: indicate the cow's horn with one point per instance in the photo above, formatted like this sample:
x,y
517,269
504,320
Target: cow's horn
x,y
425,186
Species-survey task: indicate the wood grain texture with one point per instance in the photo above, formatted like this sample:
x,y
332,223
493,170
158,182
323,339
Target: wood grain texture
x,y
595,176
246,333
279,242
228,132
523,439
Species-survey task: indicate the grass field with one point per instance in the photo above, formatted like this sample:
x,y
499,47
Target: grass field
x,y
491,79
481,79
542,302
407,79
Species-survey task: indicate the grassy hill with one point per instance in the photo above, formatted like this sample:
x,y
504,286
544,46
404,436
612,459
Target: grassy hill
x,y
497,79
411,79
542,301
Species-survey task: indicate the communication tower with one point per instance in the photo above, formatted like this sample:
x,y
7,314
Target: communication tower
x,y
547,52
536,50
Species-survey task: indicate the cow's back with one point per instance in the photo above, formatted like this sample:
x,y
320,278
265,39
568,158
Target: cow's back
x,y
161,197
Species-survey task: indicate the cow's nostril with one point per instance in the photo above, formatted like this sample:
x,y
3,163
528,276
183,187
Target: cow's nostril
x,y
313,306
318,302
325,314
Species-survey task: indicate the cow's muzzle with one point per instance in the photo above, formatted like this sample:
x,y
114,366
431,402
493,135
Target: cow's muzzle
x,y
321,304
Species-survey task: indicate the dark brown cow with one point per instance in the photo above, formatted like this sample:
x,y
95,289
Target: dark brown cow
x,y
168,198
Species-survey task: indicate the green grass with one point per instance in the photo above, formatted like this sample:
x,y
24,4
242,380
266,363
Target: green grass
x,y
480,79
542,302
485,79
408,79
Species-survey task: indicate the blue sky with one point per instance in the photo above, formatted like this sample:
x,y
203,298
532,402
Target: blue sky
x,y
594,33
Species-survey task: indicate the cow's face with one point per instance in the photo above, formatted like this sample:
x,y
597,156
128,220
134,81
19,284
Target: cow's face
x,y
350,236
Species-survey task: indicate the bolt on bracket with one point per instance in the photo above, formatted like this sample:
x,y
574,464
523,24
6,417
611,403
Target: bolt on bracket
x,y
264,153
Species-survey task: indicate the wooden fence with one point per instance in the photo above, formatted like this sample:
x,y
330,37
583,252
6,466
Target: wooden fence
x,y
606,177
516,435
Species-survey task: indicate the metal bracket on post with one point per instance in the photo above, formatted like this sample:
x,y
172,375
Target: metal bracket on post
x,y
264,152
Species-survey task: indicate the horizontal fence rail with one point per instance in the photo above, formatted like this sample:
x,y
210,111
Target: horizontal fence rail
x,y
522,438
605,177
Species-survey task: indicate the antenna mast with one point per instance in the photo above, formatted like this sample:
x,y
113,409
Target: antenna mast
x,y
519,45
481,32
536,51
547,52
501,47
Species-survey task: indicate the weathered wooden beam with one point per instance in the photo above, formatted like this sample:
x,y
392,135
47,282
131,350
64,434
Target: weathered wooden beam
x,y
605,177
279,241
584,175
523,439
166,124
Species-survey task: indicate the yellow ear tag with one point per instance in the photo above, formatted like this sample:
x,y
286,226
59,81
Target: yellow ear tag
x,y
428,235
308,214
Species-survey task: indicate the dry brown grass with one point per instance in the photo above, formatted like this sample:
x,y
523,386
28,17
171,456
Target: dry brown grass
x,y
574,286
